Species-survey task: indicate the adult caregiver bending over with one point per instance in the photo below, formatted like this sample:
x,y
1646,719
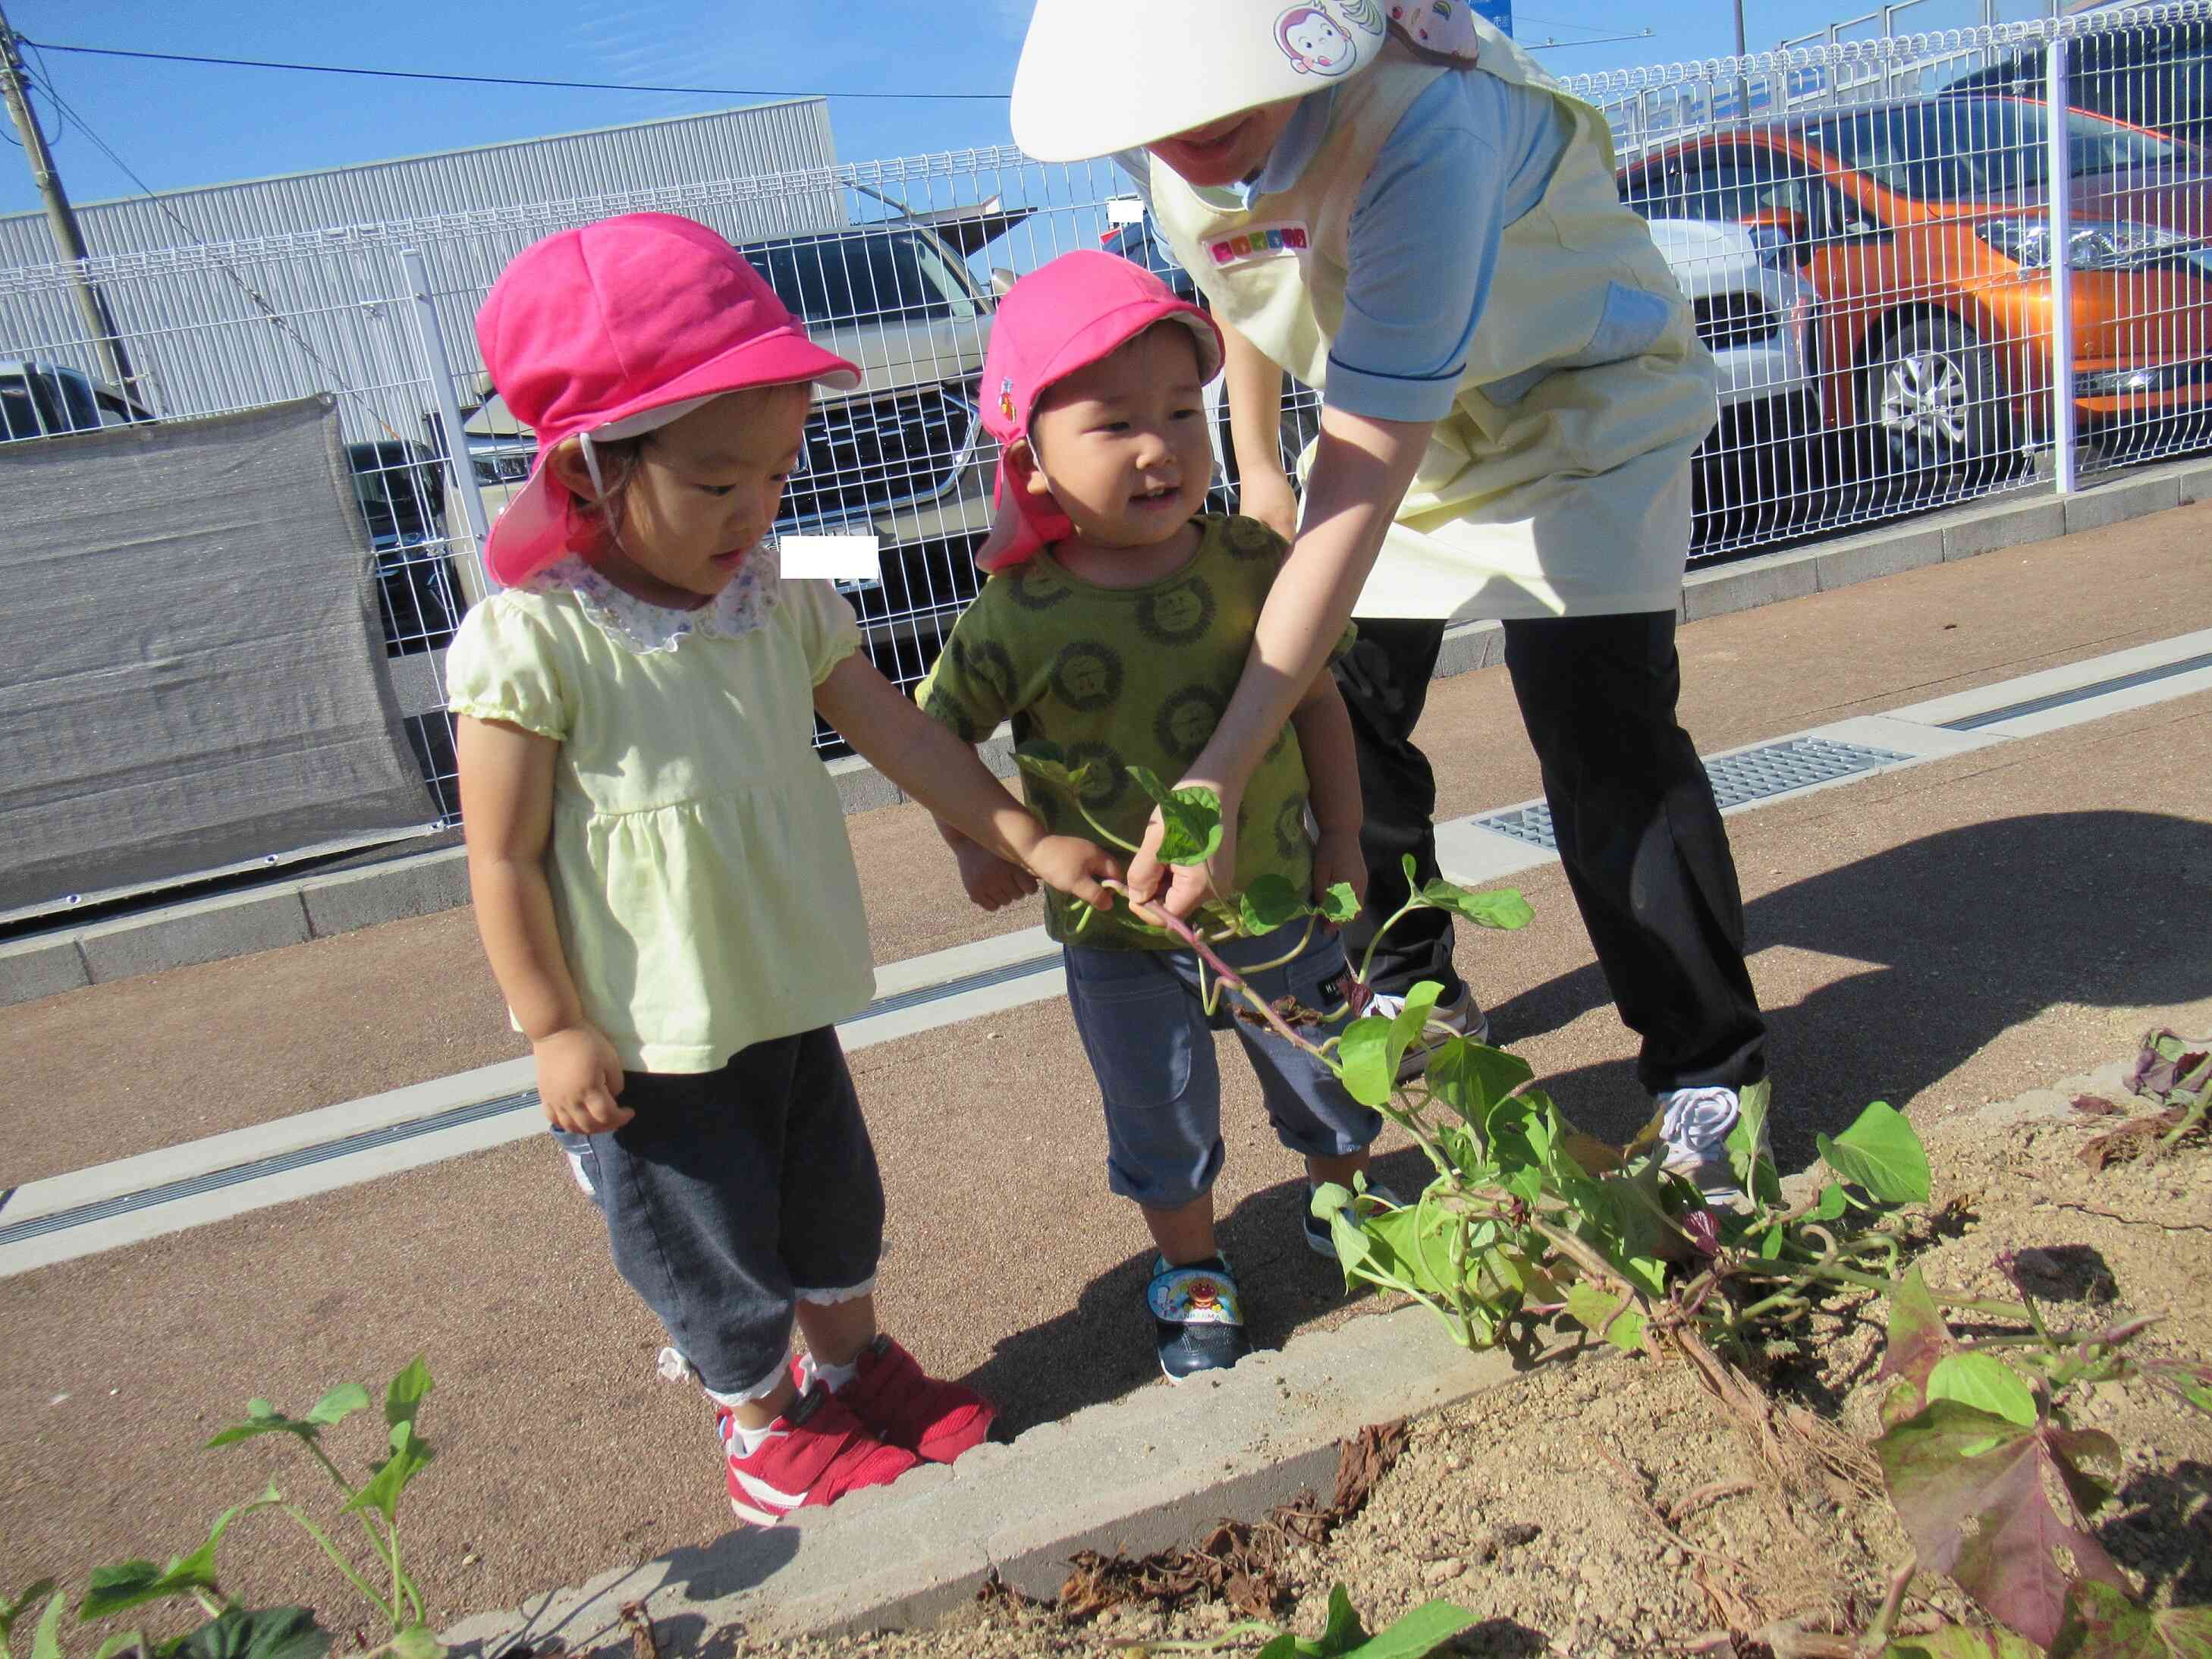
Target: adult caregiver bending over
x,y
1402,211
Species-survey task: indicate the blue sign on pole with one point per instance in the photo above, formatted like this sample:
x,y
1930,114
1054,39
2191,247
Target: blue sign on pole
x,y
1497,13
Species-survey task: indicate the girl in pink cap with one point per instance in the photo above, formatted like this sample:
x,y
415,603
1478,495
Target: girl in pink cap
x,y
659,861
1116,621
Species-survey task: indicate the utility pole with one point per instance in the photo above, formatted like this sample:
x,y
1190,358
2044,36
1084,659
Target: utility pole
x,y
92,306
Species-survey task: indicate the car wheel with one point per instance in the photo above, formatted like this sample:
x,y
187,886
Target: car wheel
x,y
1755,476
1935,401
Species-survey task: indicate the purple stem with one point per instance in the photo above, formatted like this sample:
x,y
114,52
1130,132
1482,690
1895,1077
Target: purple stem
x,y
1228,976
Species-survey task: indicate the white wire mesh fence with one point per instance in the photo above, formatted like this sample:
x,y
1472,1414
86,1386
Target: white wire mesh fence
x,y
1867,231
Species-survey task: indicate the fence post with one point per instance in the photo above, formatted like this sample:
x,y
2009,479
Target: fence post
x,y
458,467
2058,167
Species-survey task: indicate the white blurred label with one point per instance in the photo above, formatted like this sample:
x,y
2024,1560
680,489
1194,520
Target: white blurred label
x,y
1125,210
844,558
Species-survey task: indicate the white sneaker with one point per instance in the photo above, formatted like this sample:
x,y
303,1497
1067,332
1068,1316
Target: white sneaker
x,y
1693,1132
1464,1019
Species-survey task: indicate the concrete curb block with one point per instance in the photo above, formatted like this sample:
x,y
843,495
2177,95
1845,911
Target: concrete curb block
x,y
205,930
1136,1474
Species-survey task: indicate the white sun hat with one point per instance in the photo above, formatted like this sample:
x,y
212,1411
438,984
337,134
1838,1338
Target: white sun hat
x,y
1100,75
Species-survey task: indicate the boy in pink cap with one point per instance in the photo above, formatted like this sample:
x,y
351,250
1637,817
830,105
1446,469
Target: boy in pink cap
x,y
659,861
1116,621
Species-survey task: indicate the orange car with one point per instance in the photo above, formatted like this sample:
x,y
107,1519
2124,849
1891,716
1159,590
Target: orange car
x,y
1924,227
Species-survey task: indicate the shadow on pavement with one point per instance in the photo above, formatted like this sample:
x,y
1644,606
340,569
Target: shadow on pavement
x,y
1285,1287
737,1561
1970,932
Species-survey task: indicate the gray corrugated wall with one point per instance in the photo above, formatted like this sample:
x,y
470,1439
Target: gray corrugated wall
x,y
792,137
199,322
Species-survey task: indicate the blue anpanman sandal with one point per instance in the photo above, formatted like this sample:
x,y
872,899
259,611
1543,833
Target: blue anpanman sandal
x,y
1199,1317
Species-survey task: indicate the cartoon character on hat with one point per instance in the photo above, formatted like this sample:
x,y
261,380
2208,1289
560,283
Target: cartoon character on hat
x,y
1314,42
1062,317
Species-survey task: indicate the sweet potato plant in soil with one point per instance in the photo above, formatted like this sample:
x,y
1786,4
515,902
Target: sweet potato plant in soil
x,y
1612,1506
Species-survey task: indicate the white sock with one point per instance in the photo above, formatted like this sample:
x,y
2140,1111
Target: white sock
x,y
745,1441
834,1377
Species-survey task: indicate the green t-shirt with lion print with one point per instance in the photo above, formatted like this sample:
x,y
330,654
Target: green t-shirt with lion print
x,y
1122,677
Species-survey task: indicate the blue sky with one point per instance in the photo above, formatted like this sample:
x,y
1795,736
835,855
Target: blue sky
x,y
181,124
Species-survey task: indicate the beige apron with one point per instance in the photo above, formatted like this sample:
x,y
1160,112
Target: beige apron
x,y
1558,485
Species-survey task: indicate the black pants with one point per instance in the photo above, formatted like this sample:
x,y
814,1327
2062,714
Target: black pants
x,y
1638,831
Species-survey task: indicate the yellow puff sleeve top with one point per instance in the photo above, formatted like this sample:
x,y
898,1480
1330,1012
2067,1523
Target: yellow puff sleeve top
x,y
704,887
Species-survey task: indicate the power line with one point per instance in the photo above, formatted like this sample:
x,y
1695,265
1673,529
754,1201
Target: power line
x,y
276,319
503,80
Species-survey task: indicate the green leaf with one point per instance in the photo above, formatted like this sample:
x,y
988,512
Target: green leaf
x,y
1919,1338
1499,907
262,1417
11,1611
1407,1025
1602,1313
1192,816
1340,904
1958,1642
1471,1079
404,1397
47,1640
2102,1623
1344,1630
123,1644
113,1590
1416,1634
339,1404
271,1633
1285,1646
1268,903
409,1457
1986,1382
1048,763
1882,1153
1412,1245
1362,1055
1333,1203
1747,1144
1829,1206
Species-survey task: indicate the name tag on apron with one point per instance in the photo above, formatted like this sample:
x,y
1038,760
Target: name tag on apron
x,y
1269,241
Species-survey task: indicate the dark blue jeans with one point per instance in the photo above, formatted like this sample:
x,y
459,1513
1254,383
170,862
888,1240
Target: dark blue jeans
x,y
1151,1048
733,1194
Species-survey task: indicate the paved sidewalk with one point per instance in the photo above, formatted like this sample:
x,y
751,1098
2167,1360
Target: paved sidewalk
x,y
1939,938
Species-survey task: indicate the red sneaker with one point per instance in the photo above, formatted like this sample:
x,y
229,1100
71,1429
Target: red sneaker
x,y
897,1401
815,1453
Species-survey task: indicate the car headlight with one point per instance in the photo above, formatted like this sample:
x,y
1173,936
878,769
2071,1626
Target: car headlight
x,y
2093,245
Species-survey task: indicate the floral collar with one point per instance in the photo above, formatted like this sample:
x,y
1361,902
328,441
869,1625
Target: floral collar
x,y
737,611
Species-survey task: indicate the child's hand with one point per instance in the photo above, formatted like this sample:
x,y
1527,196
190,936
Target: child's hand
x,y
1337,857
579,1075
992,883
1072,866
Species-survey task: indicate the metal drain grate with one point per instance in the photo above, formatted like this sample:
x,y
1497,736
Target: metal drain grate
x,y
217,1180
1769,770
1773,768
2013,711
953,988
